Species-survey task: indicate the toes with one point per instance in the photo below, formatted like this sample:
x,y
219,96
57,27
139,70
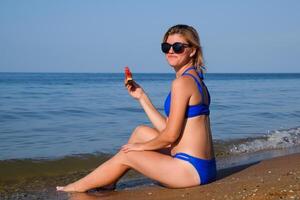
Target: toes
x,y
59,188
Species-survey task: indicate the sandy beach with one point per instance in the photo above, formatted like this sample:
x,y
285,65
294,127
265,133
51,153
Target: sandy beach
x,y
277,178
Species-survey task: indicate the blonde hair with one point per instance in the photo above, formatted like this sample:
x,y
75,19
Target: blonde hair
x,y
192,37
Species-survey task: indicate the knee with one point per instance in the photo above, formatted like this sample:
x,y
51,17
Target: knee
x,y
139,129
136,134
125,158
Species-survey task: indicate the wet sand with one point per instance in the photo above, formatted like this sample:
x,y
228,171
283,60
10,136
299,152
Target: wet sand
x,y
277,178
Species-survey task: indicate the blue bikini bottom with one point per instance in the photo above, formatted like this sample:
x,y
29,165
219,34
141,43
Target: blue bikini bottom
x,y
206,168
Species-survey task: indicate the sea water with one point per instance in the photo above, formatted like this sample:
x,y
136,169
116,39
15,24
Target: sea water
x,y
56,127
52,115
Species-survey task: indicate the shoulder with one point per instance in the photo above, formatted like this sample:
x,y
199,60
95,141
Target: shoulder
x,y
182,82
181,85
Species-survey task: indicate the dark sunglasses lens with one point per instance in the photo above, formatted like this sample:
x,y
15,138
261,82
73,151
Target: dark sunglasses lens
x,y
165,47
178,47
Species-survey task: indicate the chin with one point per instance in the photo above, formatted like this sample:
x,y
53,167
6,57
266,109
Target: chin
x,y
173,64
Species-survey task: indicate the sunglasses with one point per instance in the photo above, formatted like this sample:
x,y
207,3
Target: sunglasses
x,y
177,47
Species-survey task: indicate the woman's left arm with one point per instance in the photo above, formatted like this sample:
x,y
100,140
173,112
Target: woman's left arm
x,y
180,98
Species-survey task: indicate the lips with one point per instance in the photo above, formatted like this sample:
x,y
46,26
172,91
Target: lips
x,y
171,56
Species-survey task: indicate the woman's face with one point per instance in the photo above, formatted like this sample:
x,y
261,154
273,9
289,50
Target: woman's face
x,y
178,60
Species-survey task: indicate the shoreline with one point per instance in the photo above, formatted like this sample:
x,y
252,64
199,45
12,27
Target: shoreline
x,y
267,179
263,180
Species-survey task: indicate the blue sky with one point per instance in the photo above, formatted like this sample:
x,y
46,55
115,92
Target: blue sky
x,y
104,36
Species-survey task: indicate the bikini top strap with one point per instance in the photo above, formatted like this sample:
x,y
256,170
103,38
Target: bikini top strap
x,y
198,83
188,69
200,74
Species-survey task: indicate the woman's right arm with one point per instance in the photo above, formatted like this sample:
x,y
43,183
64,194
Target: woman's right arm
x,y
156,118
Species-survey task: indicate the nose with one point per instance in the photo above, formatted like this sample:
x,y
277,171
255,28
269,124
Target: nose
x,y
171,50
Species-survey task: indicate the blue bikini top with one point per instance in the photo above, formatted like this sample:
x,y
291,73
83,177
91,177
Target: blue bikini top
x,y
192,110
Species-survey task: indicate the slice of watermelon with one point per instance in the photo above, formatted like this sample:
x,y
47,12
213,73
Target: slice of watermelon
x,y
128,76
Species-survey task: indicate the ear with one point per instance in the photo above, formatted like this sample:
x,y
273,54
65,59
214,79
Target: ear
x,y
193,53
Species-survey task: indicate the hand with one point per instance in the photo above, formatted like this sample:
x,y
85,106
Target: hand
x,y
134,89
132,147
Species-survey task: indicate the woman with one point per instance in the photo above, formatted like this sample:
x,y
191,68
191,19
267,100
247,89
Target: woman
x,y
178,151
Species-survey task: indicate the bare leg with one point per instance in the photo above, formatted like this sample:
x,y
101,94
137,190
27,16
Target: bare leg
x,y
110,171
143,134
169,171
107,173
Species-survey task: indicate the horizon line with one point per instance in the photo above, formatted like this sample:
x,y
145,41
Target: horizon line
x,y
149,72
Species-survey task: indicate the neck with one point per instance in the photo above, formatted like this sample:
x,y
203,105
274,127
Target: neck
x,y
180,70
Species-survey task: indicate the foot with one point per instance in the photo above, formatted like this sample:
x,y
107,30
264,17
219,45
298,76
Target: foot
x,y
68,188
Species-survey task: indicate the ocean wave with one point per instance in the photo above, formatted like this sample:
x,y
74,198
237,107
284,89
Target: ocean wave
x,y
273,140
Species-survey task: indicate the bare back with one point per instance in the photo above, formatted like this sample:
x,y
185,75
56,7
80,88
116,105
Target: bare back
x,y
196,137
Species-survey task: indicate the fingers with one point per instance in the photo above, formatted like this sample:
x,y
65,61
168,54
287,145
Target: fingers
x,y
125,148
130,87
130,147
128,83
